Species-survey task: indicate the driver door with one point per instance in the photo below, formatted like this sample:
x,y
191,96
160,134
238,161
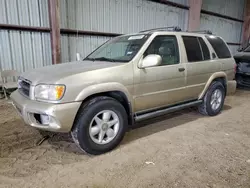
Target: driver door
x,y
160,85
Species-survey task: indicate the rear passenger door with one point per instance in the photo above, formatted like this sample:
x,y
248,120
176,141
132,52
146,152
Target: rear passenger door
x,y
200,65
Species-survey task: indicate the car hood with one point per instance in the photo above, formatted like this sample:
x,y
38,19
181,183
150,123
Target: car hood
x,y
52,73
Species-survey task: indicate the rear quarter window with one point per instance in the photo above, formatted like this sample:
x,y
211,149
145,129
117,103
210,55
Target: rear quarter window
x,y
219,47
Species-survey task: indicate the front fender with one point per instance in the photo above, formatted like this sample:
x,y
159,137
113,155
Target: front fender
x,y
210,80
101,88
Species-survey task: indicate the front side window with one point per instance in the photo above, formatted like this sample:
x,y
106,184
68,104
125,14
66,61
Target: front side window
x,y
119,49
166,47
219,47
193,49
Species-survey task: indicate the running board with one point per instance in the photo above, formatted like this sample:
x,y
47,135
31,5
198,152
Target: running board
x,y
166,110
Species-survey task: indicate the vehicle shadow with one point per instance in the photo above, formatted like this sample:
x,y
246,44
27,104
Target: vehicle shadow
x,y
139,130
162,123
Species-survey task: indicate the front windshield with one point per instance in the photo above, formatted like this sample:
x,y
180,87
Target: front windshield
x,y
119,49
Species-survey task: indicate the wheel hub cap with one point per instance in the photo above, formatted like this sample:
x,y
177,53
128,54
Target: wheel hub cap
x,y
104,127
216,99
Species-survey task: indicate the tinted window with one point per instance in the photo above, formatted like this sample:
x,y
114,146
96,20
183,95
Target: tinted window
x,y
192,48
205,50
219,46
166,47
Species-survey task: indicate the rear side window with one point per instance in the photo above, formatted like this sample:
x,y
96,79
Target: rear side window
x,y
192,48
219,46
205,50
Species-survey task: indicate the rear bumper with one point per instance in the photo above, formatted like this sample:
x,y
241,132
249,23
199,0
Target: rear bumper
x,y
231,87
60,116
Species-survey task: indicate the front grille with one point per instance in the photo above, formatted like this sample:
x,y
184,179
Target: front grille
x,y
24,87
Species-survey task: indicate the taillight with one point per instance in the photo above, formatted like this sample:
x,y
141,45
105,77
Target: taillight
x,y
235,68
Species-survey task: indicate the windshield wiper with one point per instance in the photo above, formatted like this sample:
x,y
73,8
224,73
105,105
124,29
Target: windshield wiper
x,y
102,59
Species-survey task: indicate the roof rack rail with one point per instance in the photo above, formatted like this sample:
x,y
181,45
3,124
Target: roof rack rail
x,y
173,28
203,31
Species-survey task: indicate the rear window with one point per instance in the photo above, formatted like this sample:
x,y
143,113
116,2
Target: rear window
x,y
219,46
193,49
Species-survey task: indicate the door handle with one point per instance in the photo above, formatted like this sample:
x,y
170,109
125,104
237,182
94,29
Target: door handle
x,y
181,69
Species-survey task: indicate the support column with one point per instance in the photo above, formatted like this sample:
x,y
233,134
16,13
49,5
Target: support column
x,y
246,25
194,14
54,18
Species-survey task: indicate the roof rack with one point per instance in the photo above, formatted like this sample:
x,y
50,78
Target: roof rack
x,y
203,32
173,28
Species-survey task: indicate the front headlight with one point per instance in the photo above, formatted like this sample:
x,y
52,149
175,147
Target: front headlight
x,y
49,92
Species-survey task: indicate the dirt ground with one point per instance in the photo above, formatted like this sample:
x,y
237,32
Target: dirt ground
x,y
183,149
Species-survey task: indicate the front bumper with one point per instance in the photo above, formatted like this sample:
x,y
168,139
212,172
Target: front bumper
x,y
60,116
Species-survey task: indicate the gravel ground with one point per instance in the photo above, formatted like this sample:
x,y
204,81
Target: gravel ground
x,y
183,149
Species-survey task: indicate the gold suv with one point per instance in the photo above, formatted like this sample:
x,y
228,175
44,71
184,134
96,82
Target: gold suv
x,y
126,80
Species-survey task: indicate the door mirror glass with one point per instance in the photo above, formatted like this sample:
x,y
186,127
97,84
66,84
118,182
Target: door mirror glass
x,y
151,60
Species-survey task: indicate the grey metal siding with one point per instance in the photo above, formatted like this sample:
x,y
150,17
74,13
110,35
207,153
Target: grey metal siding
x,y
114,16
183,2
228,29
232,8
24,12
233,48
71,44
22,50
119,16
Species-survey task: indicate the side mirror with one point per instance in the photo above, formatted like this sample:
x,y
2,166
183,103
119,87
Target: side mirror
x,y
151,61
78,57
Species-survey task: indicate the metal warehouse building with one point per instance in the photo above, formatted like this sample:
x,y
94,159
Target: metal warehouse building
x,y
30,30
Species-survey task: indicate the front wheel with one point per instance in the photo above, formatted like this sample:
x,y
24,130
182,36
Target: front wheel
x,y
213,100
100,125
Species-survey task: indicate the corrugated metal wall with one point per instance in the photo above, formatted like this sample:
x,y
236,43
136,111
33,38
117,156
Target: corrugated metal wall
x,y
228,29
71,44
232,8
115,16
23,50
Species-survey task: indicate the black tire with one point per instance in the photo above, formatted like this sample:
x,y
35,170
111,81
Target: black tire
x,y
80,131
206,108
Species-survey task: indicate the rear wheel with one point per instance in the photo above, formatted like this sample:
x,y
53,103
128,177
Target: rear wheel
x,y
213,100
100,125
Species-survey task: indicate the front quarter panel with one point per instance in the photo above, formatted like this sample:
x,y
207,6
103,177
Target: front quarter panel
x,y
104,87
82,85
